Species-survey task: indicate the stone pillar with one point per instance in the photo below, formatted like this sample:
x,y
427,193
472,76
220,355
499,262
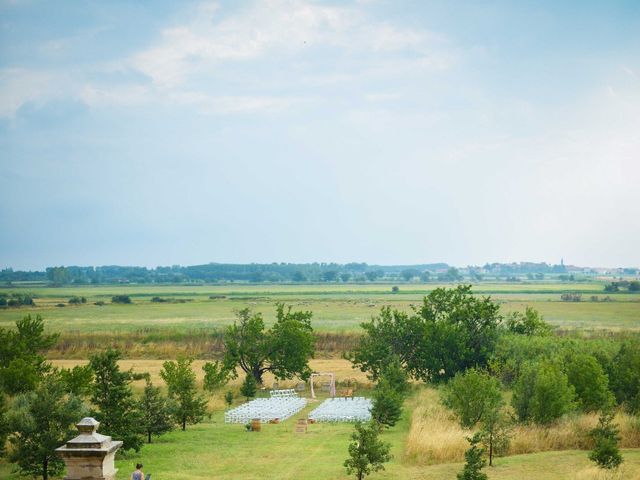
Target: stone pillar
x,y
90,455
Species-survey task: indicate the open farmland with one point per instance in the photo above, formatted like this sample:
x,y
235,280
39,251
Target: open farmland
x,y
336,308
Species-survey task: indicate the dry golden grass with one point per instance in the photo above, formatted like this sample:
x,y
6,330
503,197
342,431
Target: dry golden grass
x,y
625,472
339,367
436,437
433,436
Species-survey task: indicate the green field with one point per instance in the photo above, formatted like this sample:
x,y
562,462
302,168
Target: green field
x,y
336,308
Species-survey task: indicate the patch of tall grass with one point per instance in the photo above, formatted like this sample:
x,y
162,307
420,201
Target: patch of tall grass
x,y
436,437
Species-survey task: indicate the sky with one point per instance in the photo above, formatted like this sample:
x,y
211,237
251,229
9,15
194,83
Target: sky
x,y
388,132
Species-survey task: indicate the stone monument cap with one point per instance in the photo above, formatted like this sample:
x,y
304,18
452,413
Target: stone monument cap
x,y
89,437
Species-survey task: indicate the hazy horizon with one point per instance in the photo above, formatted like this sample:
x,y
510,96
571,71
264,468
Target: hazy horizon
x,y
159,265
292,130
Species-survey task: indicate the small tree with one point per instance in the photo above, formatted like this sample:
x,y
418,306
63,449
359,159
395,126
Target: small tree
x,y
606,453
41,421
530,323
474,461
367,453
156,413
249,387
181,381
471,395
228,398
387,404
495,433
112,395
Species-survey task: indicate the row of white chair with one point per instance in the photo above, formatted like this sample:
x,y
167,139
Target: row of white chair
x,y
342,409
265,409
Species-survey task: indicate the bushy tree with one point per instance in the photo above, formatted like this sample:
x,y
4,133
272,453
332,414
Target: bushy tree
x,y
181,381
41,421
471,395
112,395
528,323
123,299
451,331
228,398
542,393
387,404
155,412
625,376
367,453
249,387
474,461
22,363
284,350
606,453
590,383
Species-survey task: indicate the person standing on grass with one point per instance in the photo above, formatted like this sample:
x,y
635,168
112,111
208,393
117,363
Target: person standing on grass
x,y
138,474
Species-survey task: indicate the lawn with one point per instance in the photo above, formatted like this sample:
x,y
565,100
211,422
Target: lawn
x,y
214,450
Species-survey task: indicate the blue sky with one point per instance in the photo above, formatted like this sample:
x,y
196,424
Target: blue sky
x,y
155,133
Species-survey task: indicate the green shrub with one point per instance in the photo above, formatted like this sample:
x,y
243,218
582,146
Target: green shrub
x,y
123,299
542,394
471,395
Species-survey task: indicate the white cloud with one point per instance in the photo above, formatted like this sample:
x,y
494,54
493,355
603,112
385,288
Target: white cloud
x,y
271,28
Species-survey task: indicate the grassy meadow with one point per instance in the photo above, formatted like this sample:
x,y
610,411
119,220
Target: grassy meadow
x,y
187,322
426,444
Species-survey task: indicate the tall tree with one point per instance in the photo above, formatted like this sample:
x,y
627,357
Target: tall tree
x,y
113,397
41,421
181,381
451,331
284,350
367,453
156,412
